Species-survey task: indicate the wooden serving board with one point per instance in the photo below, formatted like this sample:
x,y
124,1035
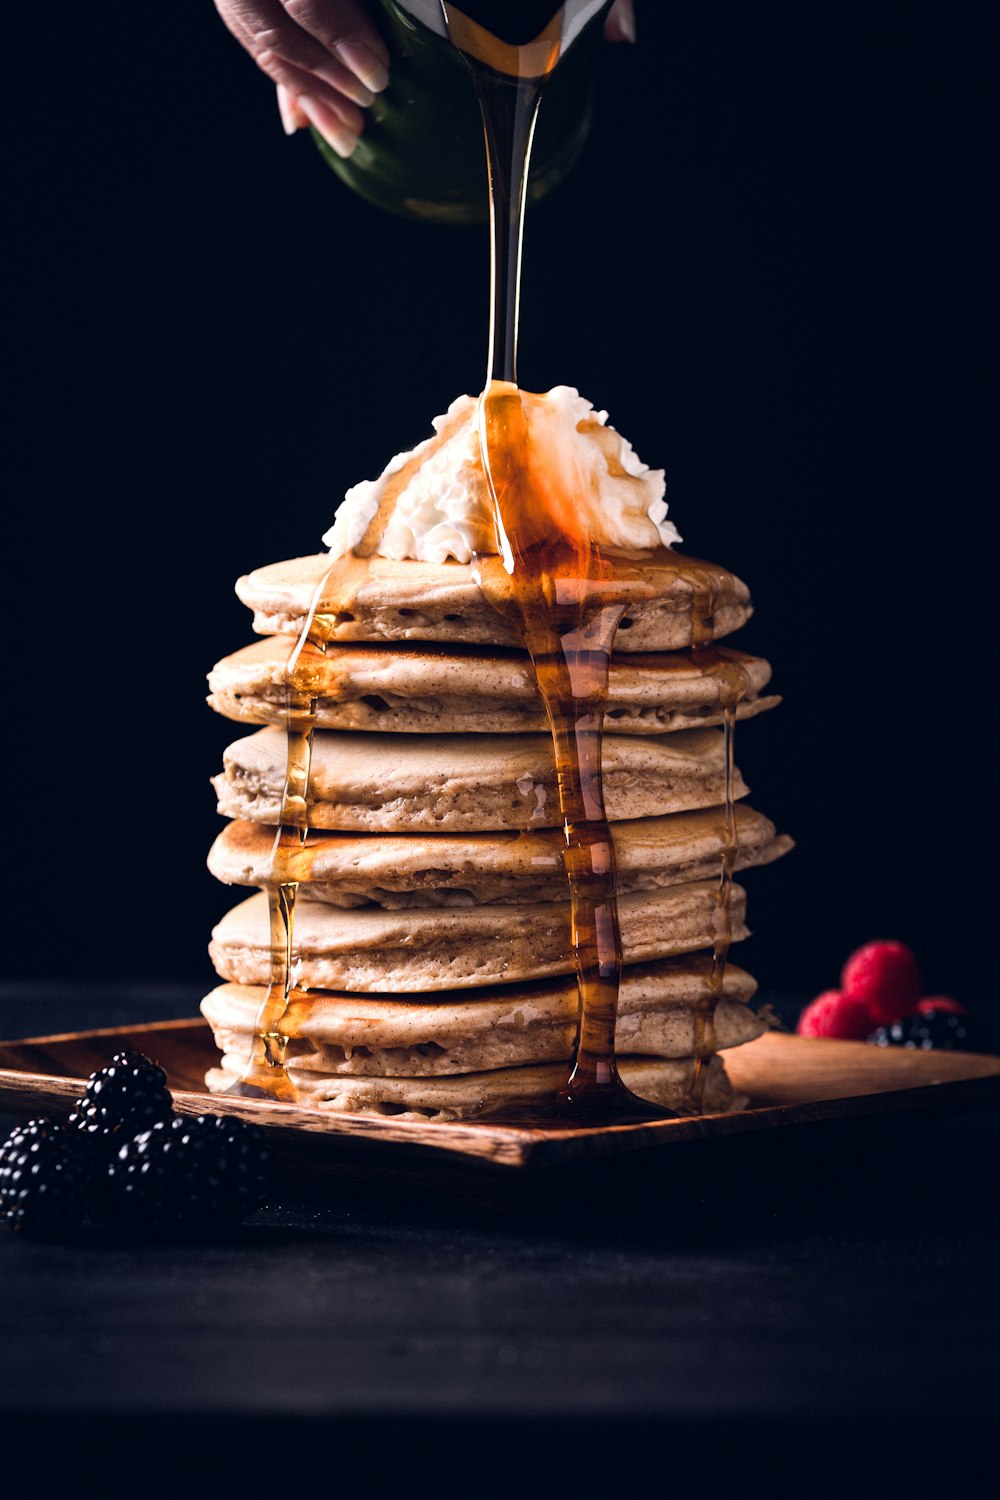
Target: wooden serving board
x,y
789,1080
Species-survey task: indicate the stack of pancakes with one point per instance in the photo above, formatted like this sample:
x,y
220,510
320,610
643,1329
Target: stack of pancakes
x,y
433,959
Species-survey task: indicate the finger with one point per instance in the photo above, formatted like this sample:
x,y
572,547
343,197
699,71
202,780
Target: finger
x,y
292,117
344,29
304,85
298,82
274,40
620,24
333,130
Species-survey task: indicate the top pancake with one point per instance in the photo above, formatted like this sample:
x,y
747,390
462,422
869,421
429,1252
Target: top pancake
x,y
379,599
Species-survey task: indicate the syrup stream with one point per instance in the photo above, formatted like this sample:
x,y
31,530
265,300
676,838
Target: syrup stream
x,y
564,596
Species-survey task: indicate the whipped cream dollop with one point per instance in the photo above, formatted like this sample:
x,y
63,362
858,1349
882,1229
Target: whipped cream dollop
x,y
443,510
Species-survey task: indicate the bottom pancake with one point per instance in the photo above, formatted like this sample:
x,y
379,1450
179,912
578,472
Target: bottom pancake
x,y
666,1082
508,1026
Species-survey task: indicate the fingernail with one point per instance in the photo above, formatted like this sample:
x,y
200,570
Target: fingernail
x,y
363,64
337,136
361,95
292,117
350,87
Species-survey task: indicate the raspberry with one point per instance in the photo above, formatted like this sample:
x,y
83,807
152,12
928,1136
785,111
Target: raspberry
x,y
885,974
944,1003
835,1014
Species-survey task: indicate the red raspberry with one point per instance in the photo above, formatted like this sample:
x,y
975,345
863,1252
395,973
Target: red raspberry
x,y
886,975
941,1002
835,1014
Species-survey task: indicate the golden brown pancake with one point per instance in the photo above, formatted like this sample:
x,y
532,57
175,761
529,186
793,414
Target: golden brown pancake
x,y
462,1031
409,783
414,689
402,870
378,599
436,948
458,1096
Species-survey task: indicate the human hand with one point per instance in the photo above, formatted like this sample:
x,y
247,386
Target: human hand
x,y
325,56
329,62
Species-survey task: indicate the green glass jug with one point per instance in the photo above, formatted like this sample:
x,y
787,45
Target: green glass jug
x,y
421,152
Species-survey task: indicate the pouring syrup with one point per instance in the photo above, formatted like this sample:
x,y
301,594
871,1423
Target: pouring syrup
x,y
566,596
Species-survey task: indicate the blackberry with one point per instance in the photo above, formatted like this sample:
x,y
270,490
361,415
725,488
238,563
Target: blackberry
x,y
123,1099
206,1171
47,1176
936,1030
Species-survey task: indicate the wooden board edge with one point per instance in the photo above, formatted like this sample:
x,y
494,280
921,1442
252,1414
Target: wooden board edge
x,y
510,1145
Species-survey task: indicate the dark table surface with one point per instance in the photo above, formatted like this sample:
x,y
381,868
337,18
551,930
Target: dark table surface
x,y
820,1292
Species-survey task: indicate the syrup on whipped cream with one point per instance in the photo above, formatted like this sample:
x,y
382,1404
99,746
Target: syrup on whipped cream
x,y
445,510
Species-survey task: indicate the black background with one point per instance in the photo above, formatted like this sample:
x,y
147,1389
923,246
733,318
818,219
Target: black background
x,y
770,267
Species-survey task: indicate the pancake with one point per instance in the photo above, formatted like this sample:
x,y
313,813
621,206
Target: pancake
x,y
402,870
441,948
455,1032
665,1081
413,689
378,599
400,783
